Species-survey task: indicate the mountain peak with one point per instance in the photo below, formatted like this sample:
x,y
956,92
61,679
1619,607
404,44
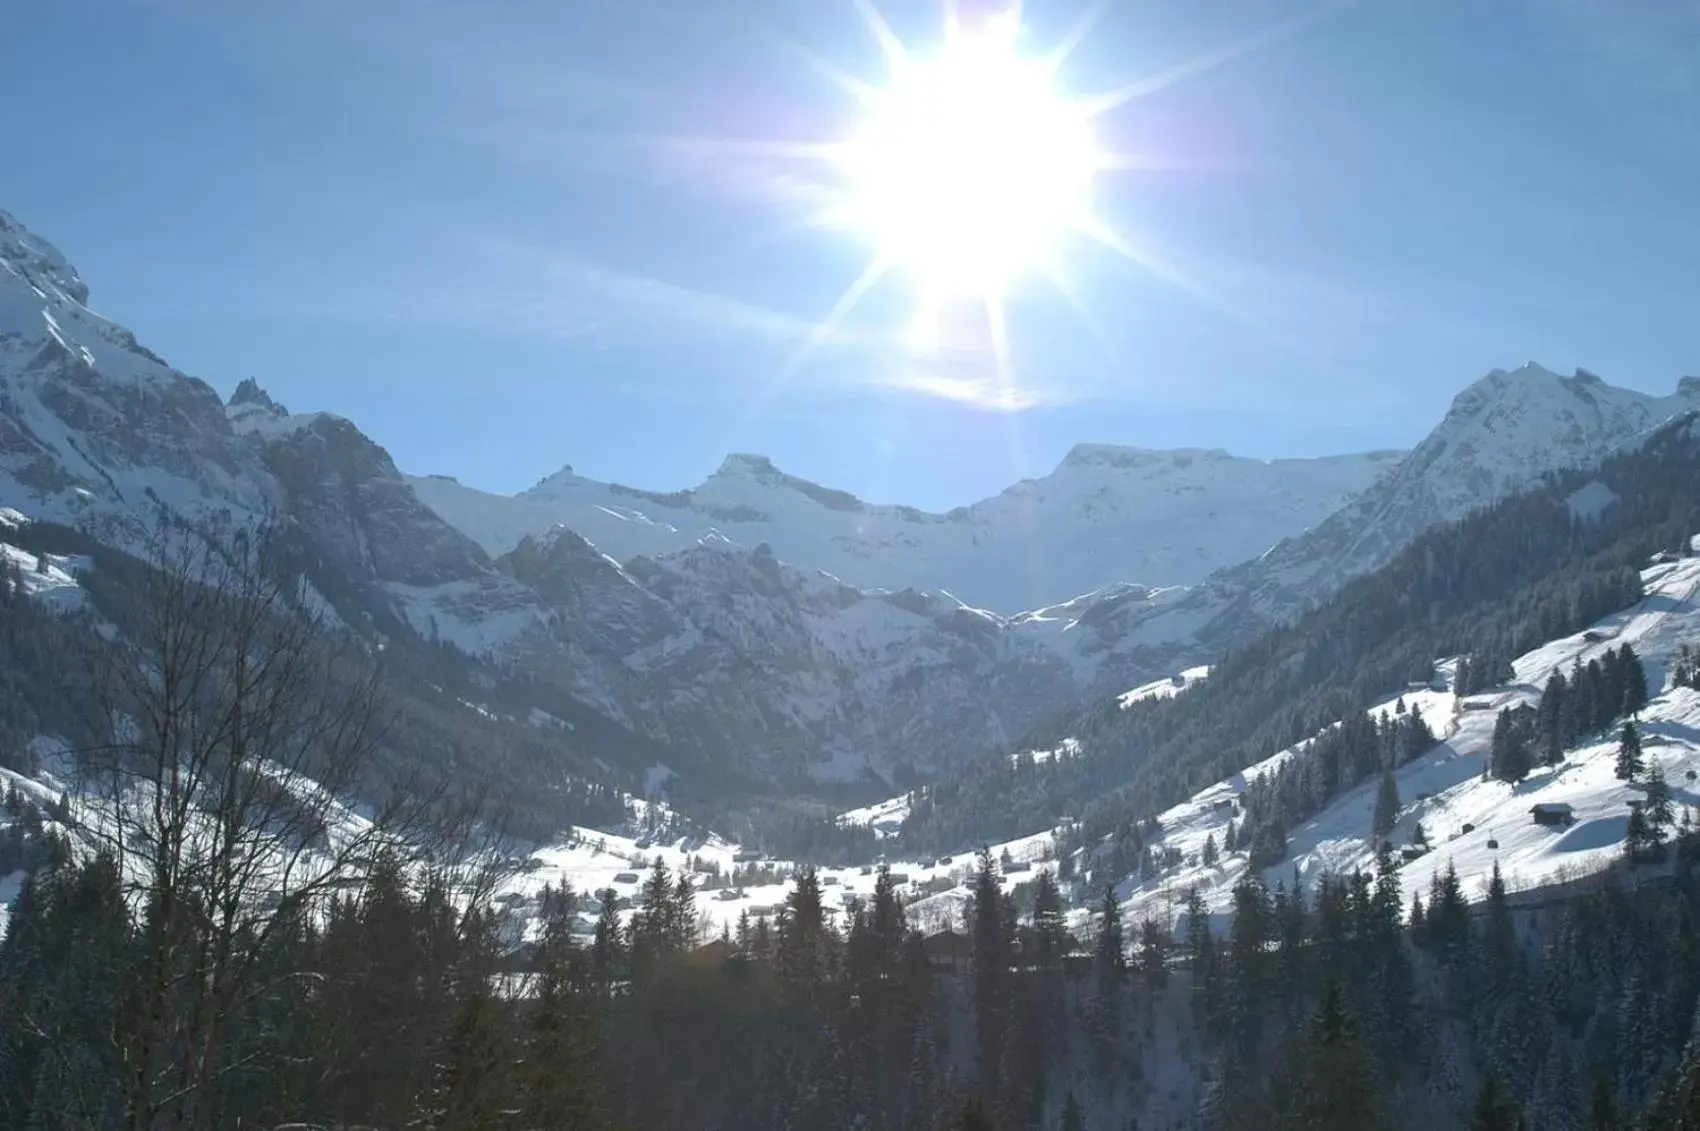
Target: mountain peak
x,y
550,486
1688,387
24,253
1118,455
745,464
249,393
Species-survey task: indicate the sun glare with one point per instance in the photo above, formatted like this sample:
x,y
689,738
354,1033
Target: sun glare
x,y
969,168
968,171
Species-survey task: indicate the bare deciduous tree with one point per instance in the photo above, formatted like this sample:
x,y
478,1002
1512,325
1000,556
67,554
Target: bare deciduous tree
x,y
239,722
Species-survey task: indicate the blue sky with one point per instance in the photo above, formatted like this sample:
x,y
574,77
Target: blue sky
x,y
482,231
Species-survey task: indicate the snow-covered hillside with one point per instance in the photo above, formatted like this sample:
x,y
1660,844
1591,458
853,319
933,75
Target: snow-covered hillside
x,y
1472,821
724,651
590,860
1501,435
1158,518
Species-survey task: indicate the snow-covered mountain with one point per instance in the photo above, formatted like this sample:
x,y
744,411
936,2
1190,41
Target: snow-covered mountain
x,y
1159,518
1501,435
737,624
727,648
736,660
1474,822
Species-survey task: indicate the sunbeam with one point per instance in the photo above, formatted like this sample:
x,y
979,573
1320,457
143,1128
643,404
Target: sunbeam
x,y
1200,64
1076,36
826,327
970,170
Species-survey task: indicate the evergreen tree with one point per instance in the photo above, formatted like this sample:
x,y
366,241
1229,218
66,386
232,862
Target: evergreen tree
x,y
1508,759
989,935
1386,805
1493,1109
1153,956
653,927
1602,1109
1245,985
560,1081
1329,1083
607,955
1109,971
803,939
1634,682
1050,928
682,925
974,1117
1660,814
1210,856
1499,936
1550,715
1072,1120
1629,762
1639,840
1201,957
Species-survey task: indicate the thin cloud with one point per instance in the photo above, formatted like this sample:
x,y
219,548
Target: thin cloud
x,y
980,392
617,292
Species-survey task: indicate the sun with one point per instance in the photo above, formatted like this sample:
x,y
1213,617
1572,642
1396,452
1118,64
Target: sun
x,y
969,169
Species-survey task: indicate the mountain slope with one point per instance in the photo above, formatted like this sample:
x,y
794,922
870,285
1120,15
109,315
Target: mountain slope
x,y
1503,434
712,648
1125,514
1475,822
717,659
1494,585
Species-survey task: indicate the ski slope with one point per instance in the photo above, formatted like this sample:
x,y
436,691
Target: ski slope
x,y
1445,788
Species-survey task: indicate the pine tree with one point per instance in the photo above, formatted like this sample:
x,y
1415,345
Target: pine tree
x,y
1210,857
1329,1083
1493,1109
1072,1120
1245,985
1638,838
1153,956
1499,937
974,1117
1634,682
1602,1111
652,927
560,1079
1109,971
989,937
1416,737
607,955
1599,697
1386,805
1550,732
1629,762
802,942
1201,957
1509,757
682,925
1660,814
